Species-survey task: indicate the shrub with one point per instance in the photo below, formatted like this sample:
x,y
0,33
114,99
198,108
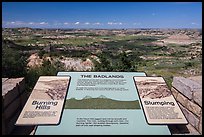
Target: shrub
x,y
13,63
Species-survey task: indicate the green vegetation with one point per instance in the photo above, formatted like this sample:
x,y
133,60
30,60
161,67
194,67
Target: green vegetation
x,y
125,63
103,65
13,62
119,63
126,52
47,69
79,41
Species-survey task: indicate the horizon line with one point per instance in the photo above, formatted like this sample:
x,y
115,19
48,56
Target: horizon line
x,y
95,28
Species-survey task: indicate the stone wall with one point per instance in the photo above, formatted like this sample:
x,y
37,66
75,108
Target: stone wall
x,y
188,94
14,98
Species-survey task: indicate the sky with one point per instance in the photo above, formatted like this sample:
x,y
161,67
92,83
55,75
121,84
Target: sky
x,y
107,15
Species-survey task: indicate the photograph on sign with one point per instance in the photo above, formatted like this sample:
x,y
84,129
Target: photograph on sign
x,y
158,103
45,104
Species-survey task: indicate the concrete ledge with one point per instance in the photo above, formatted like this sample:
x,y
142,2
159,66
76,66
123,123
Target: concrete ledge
x,y
11,89
13,100
186,86
188,94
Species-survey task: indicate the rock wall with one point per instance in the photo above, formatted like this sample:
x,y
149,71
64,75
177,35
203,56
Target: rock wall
x,y
188,94
14,98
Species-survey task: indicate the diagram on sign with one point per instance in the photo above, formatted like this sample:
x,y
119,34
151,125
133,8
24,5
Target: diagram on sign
x,y
158,103
101,102
45,104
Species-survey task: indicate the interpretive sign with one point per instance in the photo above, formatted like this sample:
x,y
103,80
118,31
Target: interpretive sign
x,y
45,104
102,103
158,103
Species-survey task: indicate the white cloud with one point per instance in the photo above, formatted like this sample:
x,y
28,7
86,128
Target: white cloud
x,y
43,23
97,23
110,23
15,23
31,23
114,23
193,23
66,23
22,23
86,23
137,23
76,23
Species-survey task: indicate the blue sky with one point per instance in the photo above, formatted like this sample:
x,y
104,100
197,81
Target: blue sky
x,y
102,14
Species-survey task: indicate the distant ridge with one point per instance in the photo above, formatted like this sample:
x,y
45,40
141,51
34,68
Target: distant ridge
x,y
87,97
101,102
102,96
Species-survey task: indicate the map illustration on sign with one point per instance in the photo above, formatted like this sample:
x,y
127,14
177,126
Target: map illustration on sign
x,y
45,104
158,103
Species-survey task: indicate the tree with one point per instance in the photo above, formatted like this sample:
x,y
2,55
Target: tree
x,y
103,65
125,63
13,63
48,68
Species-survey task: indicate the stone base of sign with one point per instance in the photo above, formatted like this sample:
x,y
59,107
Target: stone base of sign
x,y
14,98
188,94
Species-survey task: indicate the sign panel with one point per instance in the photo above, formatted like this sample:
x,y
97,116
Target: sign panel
x,y
102,103
45,104
158,103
